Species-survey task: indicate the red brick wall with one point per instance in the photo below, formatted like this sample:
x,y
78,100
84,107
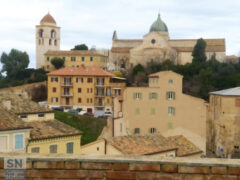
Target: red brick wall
x,y
127,169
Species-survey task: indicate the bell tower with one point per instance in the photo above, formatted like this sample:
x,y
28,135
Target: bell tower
x,y
47,38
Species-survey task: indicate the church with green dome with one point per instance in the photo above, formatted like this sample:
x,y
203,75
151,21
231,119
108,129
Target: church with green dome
x,y
157,46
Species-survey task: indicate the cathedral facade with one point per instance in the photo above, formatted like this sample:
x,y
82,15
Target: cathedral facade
x,y
157,46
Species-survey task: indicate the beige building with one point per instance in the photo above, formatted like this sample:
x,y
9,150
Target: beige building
x,y
47,38
223,123
76,58
28,127
154,145
163,108
157,46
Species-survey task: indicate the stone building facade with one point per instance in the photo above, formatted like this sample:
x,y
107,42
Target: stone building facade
x,y
47,38
157,46
223,123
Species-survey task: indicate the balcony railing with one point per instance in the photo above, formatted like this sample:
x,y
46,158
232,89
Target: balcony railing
x,y
66,105
66,84
99,95
99,84
99,104
66,95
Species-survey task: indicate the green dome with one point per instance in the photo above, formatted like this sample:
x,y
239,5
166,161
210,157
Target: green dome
x,y
159,25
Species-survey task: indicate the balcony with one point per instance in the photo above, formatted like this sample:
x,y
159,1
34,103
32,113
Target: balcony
x,y
66,84
100,95
66,105
99,104
67,95
99,85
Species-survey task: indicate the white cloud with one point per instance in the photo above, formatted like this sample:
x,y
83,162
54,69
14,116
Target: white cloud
x,y
93,21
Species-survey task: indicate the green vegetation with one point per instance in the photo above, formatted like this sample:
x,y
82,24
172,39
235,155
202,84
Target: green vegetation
x,y
57,62
80,47
199,51
90,126
15,72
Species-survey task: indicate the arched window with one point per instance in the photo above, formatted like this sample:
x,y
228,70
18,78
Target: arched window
x,y
50,41
55,42
53,34
41,33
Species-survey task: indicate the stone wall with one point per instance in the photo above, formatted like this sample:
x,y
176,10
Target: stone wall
x,y
89,167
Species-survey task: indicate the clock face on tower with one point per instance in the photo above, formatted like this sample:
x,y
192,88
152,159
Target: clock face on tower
x,y
153,41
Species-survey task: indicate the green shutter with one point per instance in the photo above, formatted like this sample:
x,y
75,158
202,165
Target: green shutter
x,y
150,95
174,110
134,95
174,95
156,95
167,95
140,95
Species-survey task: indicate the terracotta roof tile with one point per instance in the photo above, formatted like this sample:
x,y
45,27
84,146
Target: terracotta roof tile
x,y
142,144
81,71
51,129
20,105
9,121
185,147
48,18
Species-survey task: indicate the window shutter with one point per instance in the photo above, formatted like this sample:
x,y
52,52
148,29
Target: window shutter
x,y
140,95
174,110
167,95
70,148
150,95
134,95
156,95
174,95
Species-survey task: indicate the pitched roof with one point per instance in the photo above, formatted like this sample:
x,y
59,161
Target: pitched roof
x,y
228,92
9,121
142,144
51,129
48,19
81,71
20,105
185,147
74,53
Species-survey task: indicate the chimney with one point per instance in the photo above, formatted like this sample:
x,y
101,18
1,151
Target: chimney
x,y
7,104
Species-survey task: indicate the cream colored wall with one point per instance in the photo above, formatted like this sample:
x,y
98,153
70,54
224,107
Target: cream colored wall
x,y
112,150
61,143
11,140
97,147
34,117
41,49
98,60
171,153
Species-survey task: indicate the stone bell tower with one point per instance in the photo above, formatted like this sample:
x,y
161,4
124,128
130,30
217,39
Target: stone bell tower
x,y
47,38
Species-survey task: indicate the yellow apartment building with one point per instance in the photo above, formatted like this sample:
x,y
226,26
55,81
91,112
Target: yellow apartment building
x,y
76,58
27,127
223,123
161,107
88,88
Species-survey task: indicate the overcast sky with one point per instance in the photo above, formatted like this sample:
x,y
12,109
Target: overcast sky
x,y
93,21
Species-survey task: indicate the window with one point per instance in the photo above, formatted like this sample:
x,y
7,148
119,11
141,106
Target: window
x,y
79,100
41,115
53,148
170,95
70,147
171,110
153,112
79,80
97,148
108,91
50,41
35,150
87,100
87,90
91,58
153,41
170,81
91,90
53,34
137,111
54,89
54,99
152,130
79,90
89,80
54,79
48,58
137,131
237,102
83,58
137,95
73,58
23,116
19,141
91,100
55,42
153,95
41,33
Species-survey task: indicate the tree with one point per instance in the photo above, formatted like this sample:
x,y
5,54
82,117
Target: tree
x,y
39,93
80,47
138,68
57,62
14,62
199,51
